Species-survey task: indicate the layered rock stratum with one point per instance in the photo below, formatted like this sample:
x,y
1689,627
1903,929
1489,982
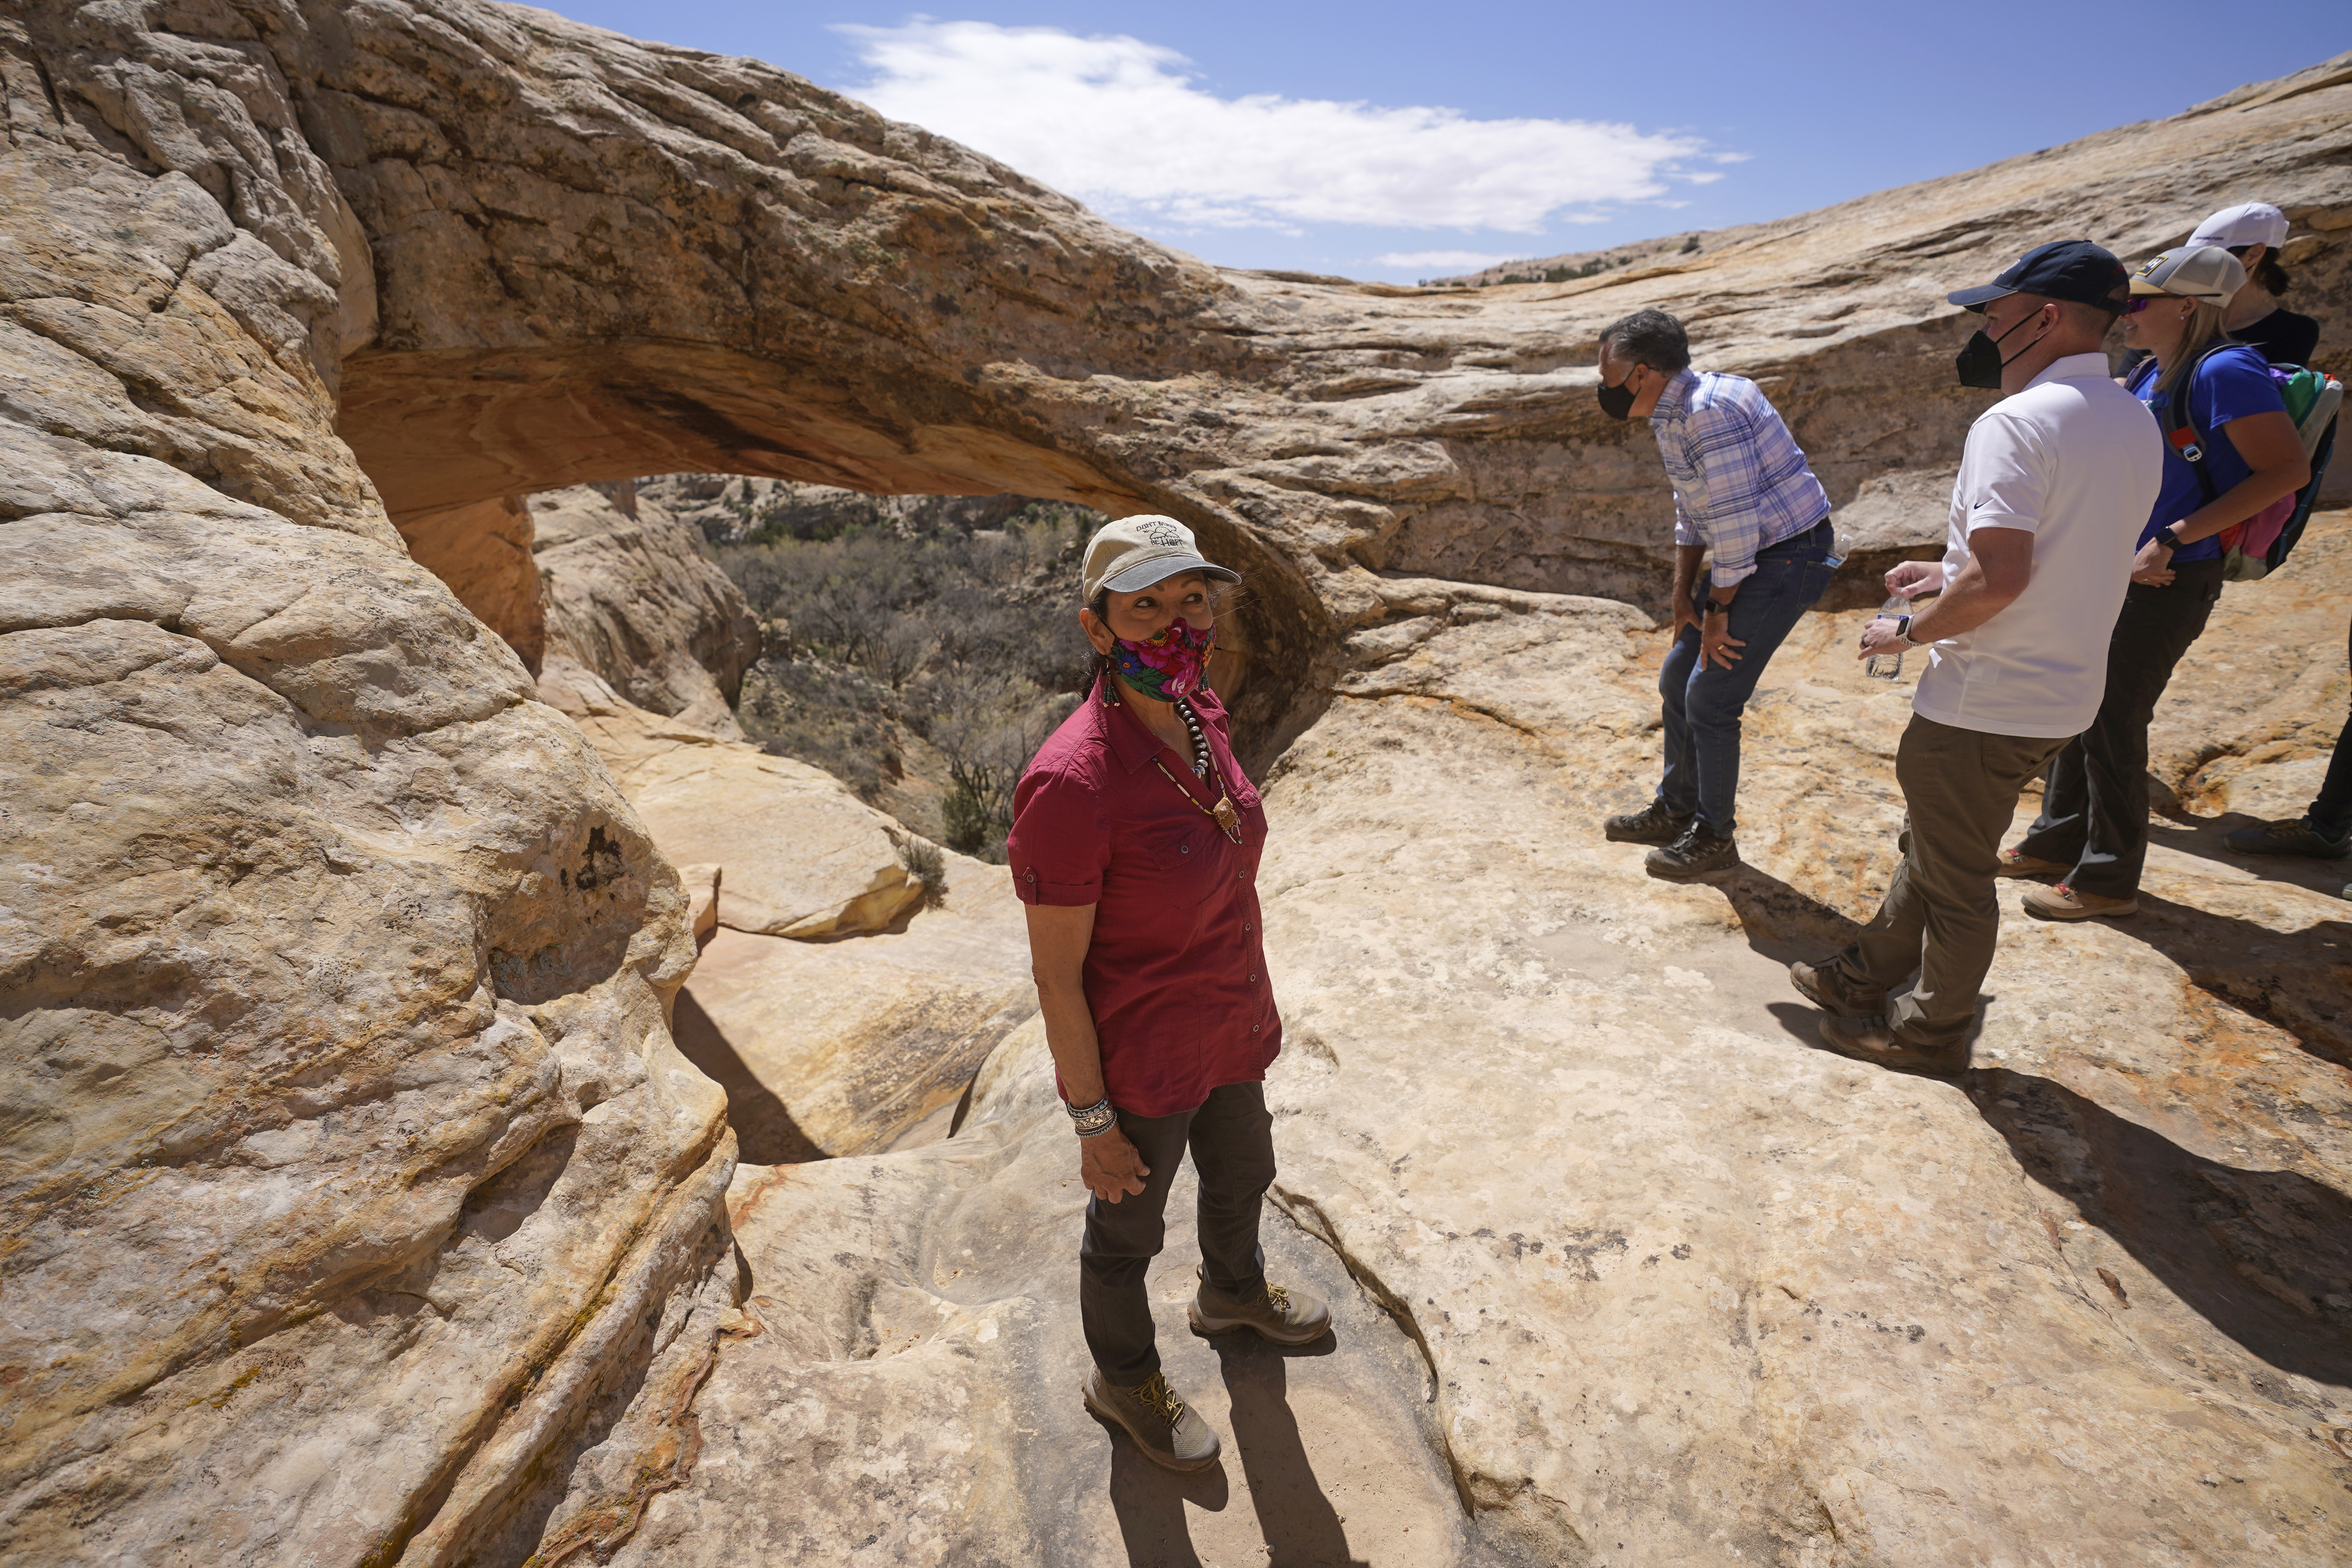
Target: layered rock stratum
x,y
362,1208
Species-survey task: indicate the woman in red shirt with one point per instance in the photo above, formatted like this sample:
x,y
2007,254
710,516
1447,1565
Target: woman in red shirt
x,y
1135,846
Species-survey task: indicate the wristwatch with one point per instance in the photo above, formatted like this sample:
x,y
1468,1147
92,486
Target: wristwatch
x,y
1715,609
1903,631
2166,537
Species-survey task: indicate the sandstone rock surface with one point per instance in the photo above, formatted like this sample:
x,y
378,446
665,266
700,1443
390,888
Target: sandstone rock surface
x,y
361,1209
844,1048
915,1376
629,595
802,856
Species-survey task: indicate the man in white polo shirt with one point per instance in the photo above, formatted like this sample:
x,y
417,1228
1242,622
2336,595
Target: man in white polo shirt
x,y
2055,481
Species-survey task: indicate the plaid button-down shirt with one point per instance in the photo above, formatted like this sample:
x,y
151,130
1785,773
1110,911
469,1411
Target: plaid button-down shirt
x,y
1741,483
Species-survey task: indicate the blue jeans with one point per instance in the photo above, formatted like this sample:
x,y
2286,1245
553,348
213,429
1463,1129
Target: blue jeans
x,y
1702,704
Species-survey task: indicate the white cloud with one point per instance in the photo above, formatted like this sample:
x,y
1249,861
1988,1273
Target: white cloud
x,y
1120,125
1439,262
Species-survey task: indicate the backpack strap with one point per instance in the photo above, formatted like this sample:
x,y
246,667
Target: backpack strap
x,y
2181,432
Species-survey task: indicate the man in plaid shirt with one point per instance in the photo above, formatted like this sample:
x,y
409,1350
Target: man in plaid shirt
x,y
1744,496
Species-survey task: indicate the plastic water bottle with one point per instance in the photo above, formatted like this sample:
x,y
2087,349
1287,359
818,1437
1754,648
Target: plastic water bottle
x,y
1887,665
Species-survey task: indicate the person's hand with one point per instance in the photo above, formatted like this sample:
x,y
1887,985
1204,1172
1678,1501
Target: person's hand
x,y
1880,636
1913,578
2152,565
1685,614
1715,643
1109,1165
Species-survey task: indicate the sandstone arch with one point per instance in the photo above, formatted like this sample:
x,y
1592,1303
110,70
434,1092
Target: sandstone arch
x,y
706,263
334,965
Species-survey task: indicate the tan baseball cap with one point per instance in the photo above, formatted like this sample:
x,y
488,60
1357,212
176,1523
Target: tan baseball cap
x,y
1135,552
2204,272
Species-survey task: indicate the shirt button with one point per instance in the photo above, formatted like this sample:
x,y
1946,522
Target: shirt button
x,y
1254,1029
1246,929
1253,979
1184,849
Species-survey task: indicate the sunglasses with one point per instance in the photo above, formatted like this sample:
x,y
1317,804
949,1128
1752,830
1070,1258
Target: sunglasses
x,y
2142,301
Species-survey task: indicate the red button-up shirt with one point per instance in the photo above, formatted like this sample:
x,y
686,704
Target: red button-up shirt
x,y
1175,975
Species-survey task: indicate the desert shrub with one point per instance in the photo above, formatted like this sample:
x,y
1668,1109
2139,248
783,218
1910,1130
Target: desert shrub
x,y
834,716
967,639
925,864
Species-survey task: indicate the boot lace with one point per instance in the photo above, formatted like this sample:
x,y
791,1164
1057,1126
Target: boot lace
x,y
1155,1395
1278,1297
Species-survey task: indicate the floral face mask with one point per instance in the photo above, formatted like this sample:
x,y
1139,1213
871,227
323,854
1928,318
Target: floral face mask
x,y
1168,665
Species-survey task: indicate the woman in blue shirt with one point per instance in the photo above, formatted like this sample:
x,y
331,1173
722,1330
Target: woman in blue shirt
x,y
2092,831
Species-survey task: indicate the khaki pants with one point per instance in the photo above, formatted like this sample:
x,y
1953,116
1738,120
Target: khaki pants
x,y
1941,916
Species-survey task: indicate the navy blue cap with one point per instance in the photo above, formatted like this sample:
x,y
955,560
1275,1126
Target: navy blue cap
x,y
2063,269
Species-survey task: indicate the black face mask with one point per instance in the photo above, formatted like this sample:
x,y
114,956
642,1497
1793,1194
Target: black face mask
x,y
1617,401
1981,363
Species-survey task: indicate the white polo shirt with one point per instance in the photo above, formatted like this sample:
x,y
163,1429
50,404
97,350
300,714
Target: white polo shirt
x,y
2075,460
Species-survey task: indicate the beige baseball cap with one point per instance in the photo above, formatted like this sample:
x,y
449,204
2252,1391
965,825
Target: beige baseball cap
x,y
2204,272
1137,552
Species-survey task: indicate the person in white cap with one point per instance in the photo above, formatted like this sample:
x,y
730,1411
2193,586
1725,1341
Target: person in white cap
x,y
2092,835
2253,232
1135,846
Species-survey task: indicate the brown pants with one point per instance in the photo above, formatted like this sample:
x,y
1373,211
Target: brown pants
x,y
1941,916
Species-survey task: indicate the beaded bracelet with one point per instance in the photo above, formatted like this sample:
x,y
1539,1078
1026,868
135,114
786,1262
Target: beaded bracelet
x,y
1093,1120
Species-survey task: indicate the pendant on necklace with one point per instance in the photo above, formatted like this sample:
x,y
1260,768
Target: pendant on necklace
x,y
1227,818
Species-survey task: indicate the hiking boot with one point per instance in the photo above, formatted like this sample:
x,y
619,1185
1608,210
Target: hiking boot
x,y
2017,863
1654,824
1170,1432
2061,902
1698,852
1820,984
1286,1316
1870,1040
2296,837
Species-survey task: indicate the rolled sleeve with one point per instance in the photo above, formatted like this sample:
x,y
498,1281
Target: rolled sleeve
x,y
1686,530
1059,843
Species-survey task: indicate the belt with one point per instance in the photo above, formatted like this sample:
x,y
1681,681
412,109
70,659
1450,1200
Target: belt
x,y
1793,537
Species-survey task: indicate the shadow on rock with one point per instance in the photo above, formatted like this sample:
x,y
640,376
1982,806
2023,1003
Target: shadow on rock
x,y
765,1132
1148,1502
1302,1528
2201,836
2299,982
1780,922
2262,1256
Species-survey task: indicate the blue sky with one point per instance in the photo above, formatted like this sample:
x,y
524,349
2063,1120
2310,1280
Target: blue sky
x,y
1394,142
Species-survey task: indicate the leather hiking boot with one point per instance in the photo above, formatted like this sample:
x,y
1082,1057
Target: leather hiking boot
x,y
2061,902
1700,851
2296,837
1819,984
1170,1432
2016,863
1654,824
1286,1316
1870,1040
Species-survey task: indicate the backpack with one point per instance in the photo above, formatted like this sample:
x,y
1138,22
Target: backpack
x,y
2259,546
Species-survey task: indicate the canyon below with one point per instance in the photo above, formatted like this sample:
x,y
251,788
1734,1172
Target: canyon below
x,y
470,1103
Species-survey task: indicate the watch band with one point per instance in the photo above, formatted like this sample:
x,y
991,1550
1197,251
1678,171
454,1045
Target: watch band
x,y
1903,631
2166,537
1715,609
